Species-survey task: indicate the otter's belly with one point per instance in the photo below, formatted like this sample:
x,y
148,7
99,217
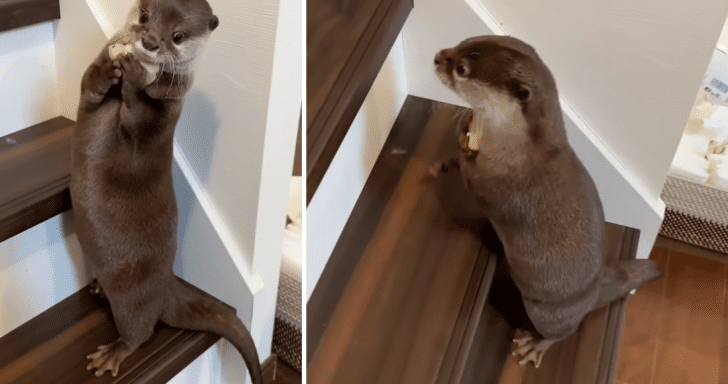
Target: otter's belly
x,y
125,209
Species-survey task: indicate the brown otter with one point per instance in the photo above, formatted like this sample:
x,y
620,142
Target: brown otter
x,y
121,186
538,196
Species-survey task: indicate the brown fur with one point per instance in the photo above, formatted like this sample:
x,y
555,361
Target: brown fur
x,y
532,187
122,189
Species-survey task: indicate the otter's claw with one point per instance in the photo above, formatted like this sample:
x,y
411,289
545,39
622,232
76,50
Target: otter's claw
x,y
109,357
531,349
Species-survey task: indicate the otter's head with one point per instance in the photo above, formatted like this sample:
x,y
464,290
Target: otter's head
x,y
170,33
495,69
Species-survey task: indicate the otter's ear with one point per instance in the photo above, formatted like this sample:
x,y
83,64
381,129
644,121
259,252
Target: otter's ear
x,y
214,22
523,93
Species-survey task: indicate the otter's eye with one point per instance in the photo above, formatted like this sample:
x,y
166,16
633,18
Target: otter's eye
x,y
460,69
177,37
474,55
143,18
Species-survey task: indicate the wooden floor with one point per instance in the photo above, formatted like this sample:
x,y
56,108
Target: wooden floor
x,y
278,372
677,328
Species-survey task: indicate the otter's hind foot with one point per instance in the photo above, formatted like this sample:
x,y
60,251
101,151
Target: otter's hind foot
x,y
532,349
109,357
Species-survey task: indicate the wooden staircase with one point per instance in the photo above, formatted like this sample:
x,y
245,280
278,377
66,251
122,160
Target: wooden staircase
x,y
415,290
35,168
347,42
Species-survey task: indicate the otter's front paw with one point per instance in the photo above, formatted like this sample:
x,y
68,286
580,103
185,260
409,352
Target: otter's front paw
x,y
135,76
106,74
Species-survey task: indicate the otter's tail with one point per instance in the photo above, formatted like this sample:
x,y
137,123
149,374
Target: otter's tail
x,y
620,279
196,310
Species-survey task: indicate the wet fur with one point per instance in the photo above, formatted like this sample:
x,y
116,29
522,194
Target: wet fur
x,y
122,189
530,184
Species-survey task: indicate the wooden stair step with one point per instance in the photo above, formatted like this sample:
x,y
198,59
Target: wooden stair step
x,y
52,347
35,169
347,43
19,13
407,293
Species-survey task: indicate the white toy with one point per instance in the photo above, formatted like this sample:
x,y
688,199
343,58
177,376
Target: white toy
x,y
116,50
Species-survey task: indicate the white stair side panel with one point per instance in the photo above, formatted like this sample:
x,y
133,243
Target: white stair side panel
x,y
78,40
38,268
27,77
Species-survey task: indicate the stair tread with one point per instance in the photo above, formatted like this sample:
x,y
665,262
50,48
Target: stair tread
x,y
19,13
347,43
52,347
402,296
38,161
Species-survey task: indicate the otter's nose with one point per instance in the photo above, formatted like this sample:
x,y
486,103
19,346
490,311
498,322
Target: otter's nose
x,y
441,57
149,44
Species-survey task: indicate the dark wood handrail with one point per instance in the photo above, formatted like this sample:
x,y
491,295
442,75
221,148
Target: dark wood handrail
x,y
347,43
35,170
19,13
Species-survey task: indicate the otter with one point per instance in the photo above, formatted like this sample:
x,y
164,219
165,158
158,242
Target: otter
x,y
543,204
125,209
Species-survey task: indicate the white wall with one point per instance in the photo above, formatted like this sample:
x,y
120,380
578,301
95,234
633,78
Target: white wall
x,y
723,39
222,128
336,196
630,68
76,34
625,116
27,77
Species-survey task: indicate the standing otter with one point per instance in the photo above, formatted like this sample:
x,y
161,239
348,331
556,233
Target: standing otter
x,y
541,201
121,185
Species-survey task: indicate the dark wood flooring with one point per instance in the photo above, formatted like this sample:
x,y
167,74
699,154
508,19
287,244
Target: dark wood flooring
x,y
276,371
677,328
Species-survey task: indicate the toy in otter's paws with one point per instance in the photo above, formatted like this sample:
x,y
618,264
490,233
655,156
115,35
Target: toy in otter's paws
x,y
473,138
118,50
